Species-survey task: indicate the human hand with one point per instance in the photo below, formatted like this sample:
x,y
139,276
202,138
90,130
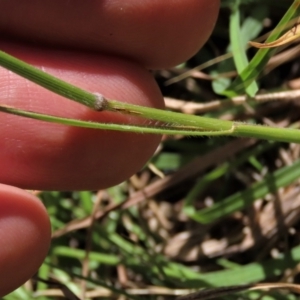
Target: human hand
x,y
101,46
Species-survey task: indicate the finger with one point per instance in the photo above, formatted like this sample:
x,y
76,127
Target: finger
x,y
153,32
25,237
40,155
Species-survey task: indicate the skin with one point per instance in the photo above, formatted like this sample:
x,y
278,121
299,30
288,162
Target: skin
x,y
103,46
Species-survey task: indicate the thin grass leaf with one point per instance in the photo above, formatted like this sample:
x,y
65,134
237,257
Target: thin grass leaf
x,y
79,254
238,48
243,199
218,172
249,273
192,125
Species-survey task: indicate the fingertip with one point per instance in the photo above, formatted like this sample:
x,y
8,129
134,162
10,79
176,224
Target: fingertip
x,y
45,156
154,33
24,237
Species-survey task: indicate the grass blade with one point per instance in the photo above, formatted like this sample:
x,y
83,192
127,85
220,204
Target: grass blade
x,y
238,49
241,200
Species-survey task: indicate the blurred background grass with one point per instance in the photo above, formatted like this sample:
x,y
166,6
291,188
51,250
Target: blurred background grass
x,y
204,212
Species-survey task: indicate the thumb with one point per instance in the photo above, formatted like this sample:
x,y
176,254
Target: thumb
x,y
24,237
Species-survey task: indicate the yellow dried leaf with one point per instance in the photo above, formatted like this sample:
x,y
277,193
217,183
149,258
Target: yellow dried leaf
x,y
289,36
